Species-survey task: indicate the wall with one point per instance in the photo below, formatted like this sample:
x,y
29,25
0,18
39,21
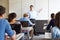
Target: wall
x,y
22,6
25,5
43,15
15,6
19,6
54,6
5,3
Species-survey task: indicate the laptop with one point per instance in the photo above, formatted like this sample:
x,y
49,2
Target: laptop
x,y
16,27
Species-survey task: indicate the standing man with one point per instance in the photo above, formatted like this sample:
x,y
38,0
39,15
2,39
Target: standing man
x,y
32,13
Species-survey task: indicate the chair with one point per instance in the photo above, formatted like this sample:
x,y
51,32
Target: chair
x,y
25,28
24,23
16,27
33,20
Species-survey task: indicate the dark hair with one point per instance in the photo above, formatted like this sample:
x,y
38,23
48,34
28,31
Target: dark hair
x,y
11,16
57,19
2,10
31,6
52,15
25,15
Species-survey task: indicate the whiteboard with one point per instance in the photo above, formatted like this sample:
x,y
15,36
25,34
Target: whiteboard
x,y
43,15
22,6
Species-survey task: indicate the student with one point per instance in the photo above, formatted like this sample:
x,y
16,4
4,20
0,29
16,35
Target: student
x,y
5,26
12,18
51,23
26,18
56,28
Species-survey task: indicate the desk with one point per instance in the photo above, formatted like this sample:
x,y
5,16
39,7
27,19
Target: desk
x,y
46,36
19,36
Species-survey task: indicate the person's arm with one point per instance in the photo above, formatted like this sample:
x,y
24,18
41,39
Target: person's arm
x,y
30,22
14,36
9,31
49,25
29,14
39,10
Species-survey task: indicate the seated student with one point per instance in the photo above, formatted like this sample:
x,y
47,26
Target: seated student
x,y
12,18
51,23
5,26
56,28
26,18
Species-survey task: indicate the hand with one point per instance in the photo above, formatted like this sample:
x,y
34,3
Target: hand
x,y
14,31
6,37
14,36
40,10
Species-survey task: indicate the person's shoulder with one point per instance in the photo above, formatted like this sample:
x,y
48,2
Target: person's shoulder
x,y
51,20
21,19
4,20
55,28
28,19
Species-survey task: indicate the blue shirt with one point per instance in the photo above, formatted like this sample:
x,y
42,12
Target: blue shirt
x,y
5,28
32,14
26,19
55,32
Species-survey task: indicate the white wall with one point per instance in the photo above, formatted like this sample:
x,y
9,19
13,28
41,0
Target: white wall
x,y
5,3
15,6
26,4
54,6
22,6
43,15
19,6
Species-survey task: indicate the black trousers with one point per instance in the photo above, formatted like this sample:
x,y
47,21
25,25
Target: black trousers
x,y
32,20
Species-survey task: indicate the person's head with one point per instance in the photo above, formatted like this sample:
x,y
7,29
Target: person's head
x,y
31,7
2,11
25,15
57,19
12,17
52,15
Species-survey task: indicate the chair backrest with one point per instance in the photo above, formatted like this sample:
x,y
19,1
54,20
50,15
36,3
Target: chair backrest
x,y
32,20
16,27
24,23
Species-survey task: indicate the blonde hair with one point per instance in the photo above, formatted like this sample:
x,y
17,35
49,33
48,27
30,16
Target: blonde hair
x,y
25,15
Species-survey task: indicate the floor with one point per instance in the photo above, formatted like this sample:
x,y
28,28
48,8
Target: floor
x,y
39,37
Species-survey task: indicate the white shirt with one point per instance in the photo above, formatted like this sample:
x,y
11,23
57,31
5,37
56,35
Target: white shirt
x,y
32,14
